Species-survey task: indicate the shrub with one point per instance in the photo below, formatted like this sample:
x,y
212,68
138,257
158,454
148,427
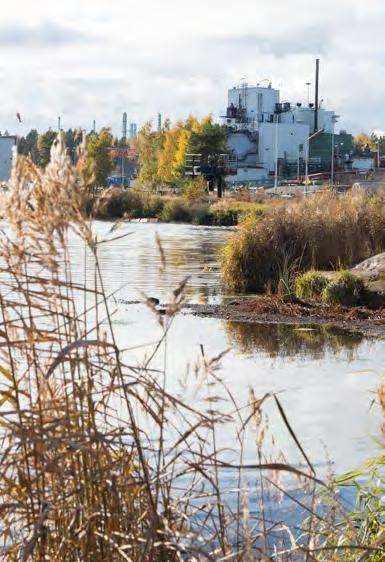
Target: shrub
x,y
319,232
152,206
176,210
195,189
310,285
116,203
225,217
345,290
202,214
231,213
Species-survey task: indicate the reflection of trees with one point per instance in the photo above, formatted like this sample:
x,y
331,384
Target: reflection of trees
x,y
284,340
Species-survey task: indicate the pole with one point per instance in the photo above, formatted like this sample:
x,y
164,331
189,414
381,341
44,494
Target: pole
x,y
332,164
316,102
299,152
306,168
276,155
378,154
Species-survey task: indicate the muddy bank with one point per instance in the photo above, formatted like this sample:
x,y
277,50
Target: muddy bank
x,y
262,310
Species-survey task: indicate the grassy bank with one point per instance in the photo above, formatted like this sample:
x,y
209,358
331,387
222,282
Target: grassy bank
x,y
118,203
326,231
99,462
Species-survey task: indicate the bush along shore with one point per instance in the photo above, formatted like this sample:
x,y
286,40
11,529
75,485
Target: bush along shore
x,y
326,232
116,203
329,231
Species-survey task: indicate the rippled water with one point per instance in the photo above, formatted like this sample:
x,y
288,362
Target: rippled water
x,y
134,262
326,378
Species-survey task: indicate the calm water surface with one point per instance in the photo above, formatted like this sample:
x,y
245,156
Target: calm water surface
x,y
326,379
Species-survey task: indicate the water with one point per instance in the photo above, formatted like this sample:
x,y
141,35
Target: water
x,y
326,379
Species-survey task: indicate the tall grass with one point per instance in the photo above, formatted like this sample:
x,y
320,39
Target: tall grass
x,y
326,231
99,462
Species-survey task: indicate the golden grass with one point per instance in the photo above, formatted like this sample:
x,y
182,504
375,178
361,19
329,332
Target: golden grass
x,y
327,231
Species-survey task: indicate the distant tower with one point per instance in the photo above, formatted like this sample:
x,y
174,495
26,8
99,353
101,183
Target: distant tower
x,y
59,123
124,126
94,126
133,130
159,121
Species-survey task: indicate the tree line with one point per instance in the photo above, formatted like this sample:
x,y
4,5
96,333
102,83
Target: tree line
x,y
160,154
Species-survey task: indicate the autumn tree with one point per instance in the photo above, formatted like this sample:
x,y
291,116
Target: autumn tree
x,y
364,142
150,144
99,160
207,138
172,154
162,154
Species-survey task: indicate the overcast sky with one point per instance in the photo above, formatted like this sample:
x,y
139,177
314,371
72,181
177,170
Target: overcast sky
x,y
94,59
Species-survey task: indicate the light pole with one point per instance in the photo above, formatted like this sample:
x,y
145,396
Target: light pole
x,y
334,120
378,153
300,149
307,159
276,155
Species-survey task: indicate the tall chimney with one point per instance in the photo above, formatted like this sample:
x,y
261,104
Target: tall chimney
x,y
316,95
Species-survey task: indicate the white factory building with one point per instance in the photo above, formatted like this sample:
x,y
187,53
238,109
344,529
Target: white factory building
x,y
261,128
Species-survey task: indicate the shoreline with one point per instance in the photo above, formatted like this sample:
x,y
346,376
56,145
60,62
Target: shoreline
x,y
368,323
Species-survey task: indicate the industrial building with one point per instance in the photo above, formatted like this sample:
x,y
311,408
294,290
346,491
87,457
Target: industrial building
x,y
271,138
7,143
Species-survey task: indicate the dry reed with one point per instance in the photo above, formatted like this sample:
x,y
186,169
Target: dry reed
x,y
326,231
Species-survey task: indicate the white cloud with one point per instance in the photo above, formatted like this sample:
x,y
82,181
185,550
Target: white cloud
x,y
93,59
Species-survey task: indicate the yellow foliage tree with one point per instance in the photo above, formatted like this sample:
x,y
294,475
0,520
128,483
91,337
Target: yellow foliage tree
x,y
150,144
362,140
168,163
162,154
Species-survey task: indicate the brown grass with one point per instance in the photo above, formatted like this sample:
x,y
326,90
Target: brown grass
x,y
326,231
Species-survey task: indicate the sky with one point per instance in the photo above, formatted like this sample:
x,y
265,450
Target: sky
x,y
94,59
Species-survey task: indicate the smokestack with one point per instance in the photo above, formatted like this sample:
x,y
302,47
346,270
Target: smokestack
x,y
124,126
316,95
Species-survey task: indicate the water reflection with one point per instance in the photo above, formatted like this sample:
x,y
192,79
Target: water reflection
x,y
135,263
284,340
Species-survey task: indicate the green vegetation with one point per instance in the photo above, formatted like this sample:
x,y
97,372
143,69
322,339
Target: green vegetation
x,y
116,203
194,189
309,285
99,161
345,289
323,232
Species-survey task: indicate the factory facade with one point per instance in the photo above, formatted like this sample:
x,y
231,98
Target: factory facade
x,y
266,134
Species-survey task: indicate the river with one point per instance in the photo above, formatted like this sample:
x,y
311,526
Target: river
x,y
326,379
